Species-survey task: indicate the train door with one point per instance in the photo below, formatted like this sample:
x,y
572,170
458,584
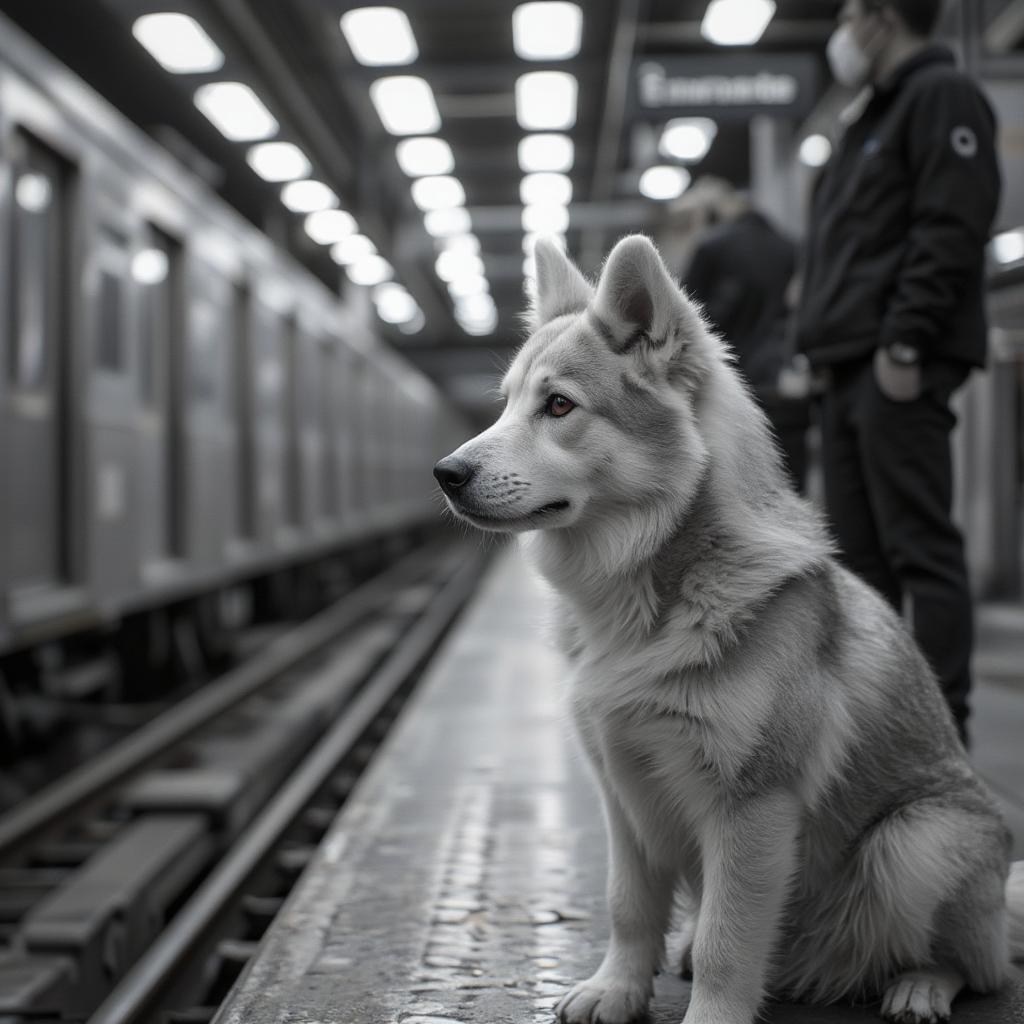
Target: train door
x,y
157,270
38,489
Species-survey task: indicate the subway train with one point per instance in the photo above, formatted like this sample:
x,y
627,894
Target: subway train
x,y
183,407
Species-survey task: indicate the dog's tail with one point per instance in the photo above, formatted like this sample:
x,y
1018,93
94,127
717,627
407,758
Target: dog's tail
x,y
1015,909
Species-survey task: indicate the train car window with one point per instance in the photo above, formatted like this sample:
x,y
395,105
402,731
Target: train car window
x,y
328,428
38,274
242,409
110,340
290,408
157,269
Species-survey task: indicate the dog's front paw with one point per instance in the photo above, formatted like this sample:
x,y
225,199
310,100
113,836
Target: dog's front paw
x,y
603,999
920,997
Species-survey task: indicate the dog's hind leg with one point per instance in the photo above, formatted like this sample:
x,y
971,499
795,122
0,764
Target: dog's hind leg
x,y
921,997
640,901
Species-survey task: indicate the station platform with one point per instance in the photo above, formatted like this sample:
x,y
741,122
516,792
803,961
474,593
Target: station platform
x,y
464,879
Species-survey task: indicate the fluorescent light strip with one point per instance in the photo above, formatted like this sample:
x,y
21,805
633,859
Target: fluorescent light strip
x,y
178,43
547,31
379,35
235,111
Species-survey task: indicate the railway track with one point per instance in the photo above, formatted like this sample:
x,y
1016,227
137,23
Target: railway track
x,y
136,888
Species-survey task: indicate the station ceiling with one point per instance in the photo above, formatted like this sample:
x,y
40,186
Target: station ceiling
x,y
296,58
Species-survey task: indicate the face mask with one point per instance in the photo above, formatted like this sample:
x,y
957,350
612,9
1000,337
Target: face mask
x,y
850,65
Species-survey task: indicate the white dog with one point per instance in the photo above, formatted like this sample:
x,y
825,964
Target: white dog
x,y
768,740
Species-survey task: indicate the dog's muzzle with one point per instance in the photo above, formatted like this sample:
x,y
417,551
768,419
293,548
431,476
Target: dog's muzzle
x,y
453,474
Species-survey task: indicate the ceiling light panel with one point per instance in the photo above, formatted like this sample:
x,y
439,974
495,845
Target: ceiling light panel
x,y
1008,247
278,161
178,43
394,304
452,265
352,249
545,151
236,111
664,181
370,270
736,22
308,196
467,243
405,105
545,187
437,192
545,219
443,223
379,36
475,307
469,284
687,138
421,156
547,31
326,227
815,150
546,100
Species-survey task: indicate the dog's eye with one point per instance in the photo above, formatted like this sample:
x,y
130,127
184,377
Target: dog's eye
x,y
559,405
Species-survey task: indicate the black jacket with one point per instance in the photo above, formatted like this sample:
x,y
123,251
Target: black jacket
x,y
900,219
739,273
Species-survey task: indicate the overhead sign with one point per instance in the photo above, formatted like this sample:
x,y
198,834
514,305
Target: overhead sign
x,y
738,85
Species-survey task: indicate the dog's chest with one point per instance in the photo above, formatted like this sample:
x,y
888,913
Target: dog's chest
x,y
668,751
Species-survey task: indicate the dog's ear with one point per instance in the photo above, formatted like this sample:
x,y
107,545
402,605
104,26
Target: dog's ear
x,y
639,303
561,288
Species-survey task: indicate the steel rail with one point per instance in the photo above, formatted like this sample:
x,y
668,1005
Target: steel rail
x,y
135,994
51,805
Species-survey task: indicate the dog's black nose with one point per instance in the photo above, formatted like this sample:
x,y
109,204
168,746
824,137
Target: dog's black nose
x,y
453,473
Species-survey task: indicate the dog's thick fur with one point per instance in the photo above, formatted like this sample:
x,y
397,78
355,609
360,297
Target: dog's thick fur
x,y
768,740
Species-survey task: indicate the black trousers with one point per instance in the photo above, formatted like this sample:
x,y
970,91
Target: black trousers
x,y
888,491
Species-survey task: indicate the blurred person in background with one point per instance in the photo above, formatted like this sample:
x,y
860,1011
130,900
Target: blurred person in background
x,y
892,312
740,272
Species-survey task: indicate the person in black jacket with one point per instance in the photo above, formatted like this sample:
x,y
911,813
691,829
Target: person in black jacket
x,y
892,309
740,272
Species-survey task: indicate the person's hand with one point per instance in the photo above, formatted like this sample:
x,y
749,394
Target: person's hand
x,y
794,379
898,381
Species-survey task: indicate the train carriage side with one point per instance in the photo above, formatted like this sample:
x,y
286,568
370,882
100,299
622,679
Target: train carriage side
x,y
181,405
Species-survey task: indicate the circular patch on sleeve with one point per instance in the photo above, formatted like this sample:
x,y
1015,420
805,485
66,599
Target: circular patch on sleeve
x,y
964,141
